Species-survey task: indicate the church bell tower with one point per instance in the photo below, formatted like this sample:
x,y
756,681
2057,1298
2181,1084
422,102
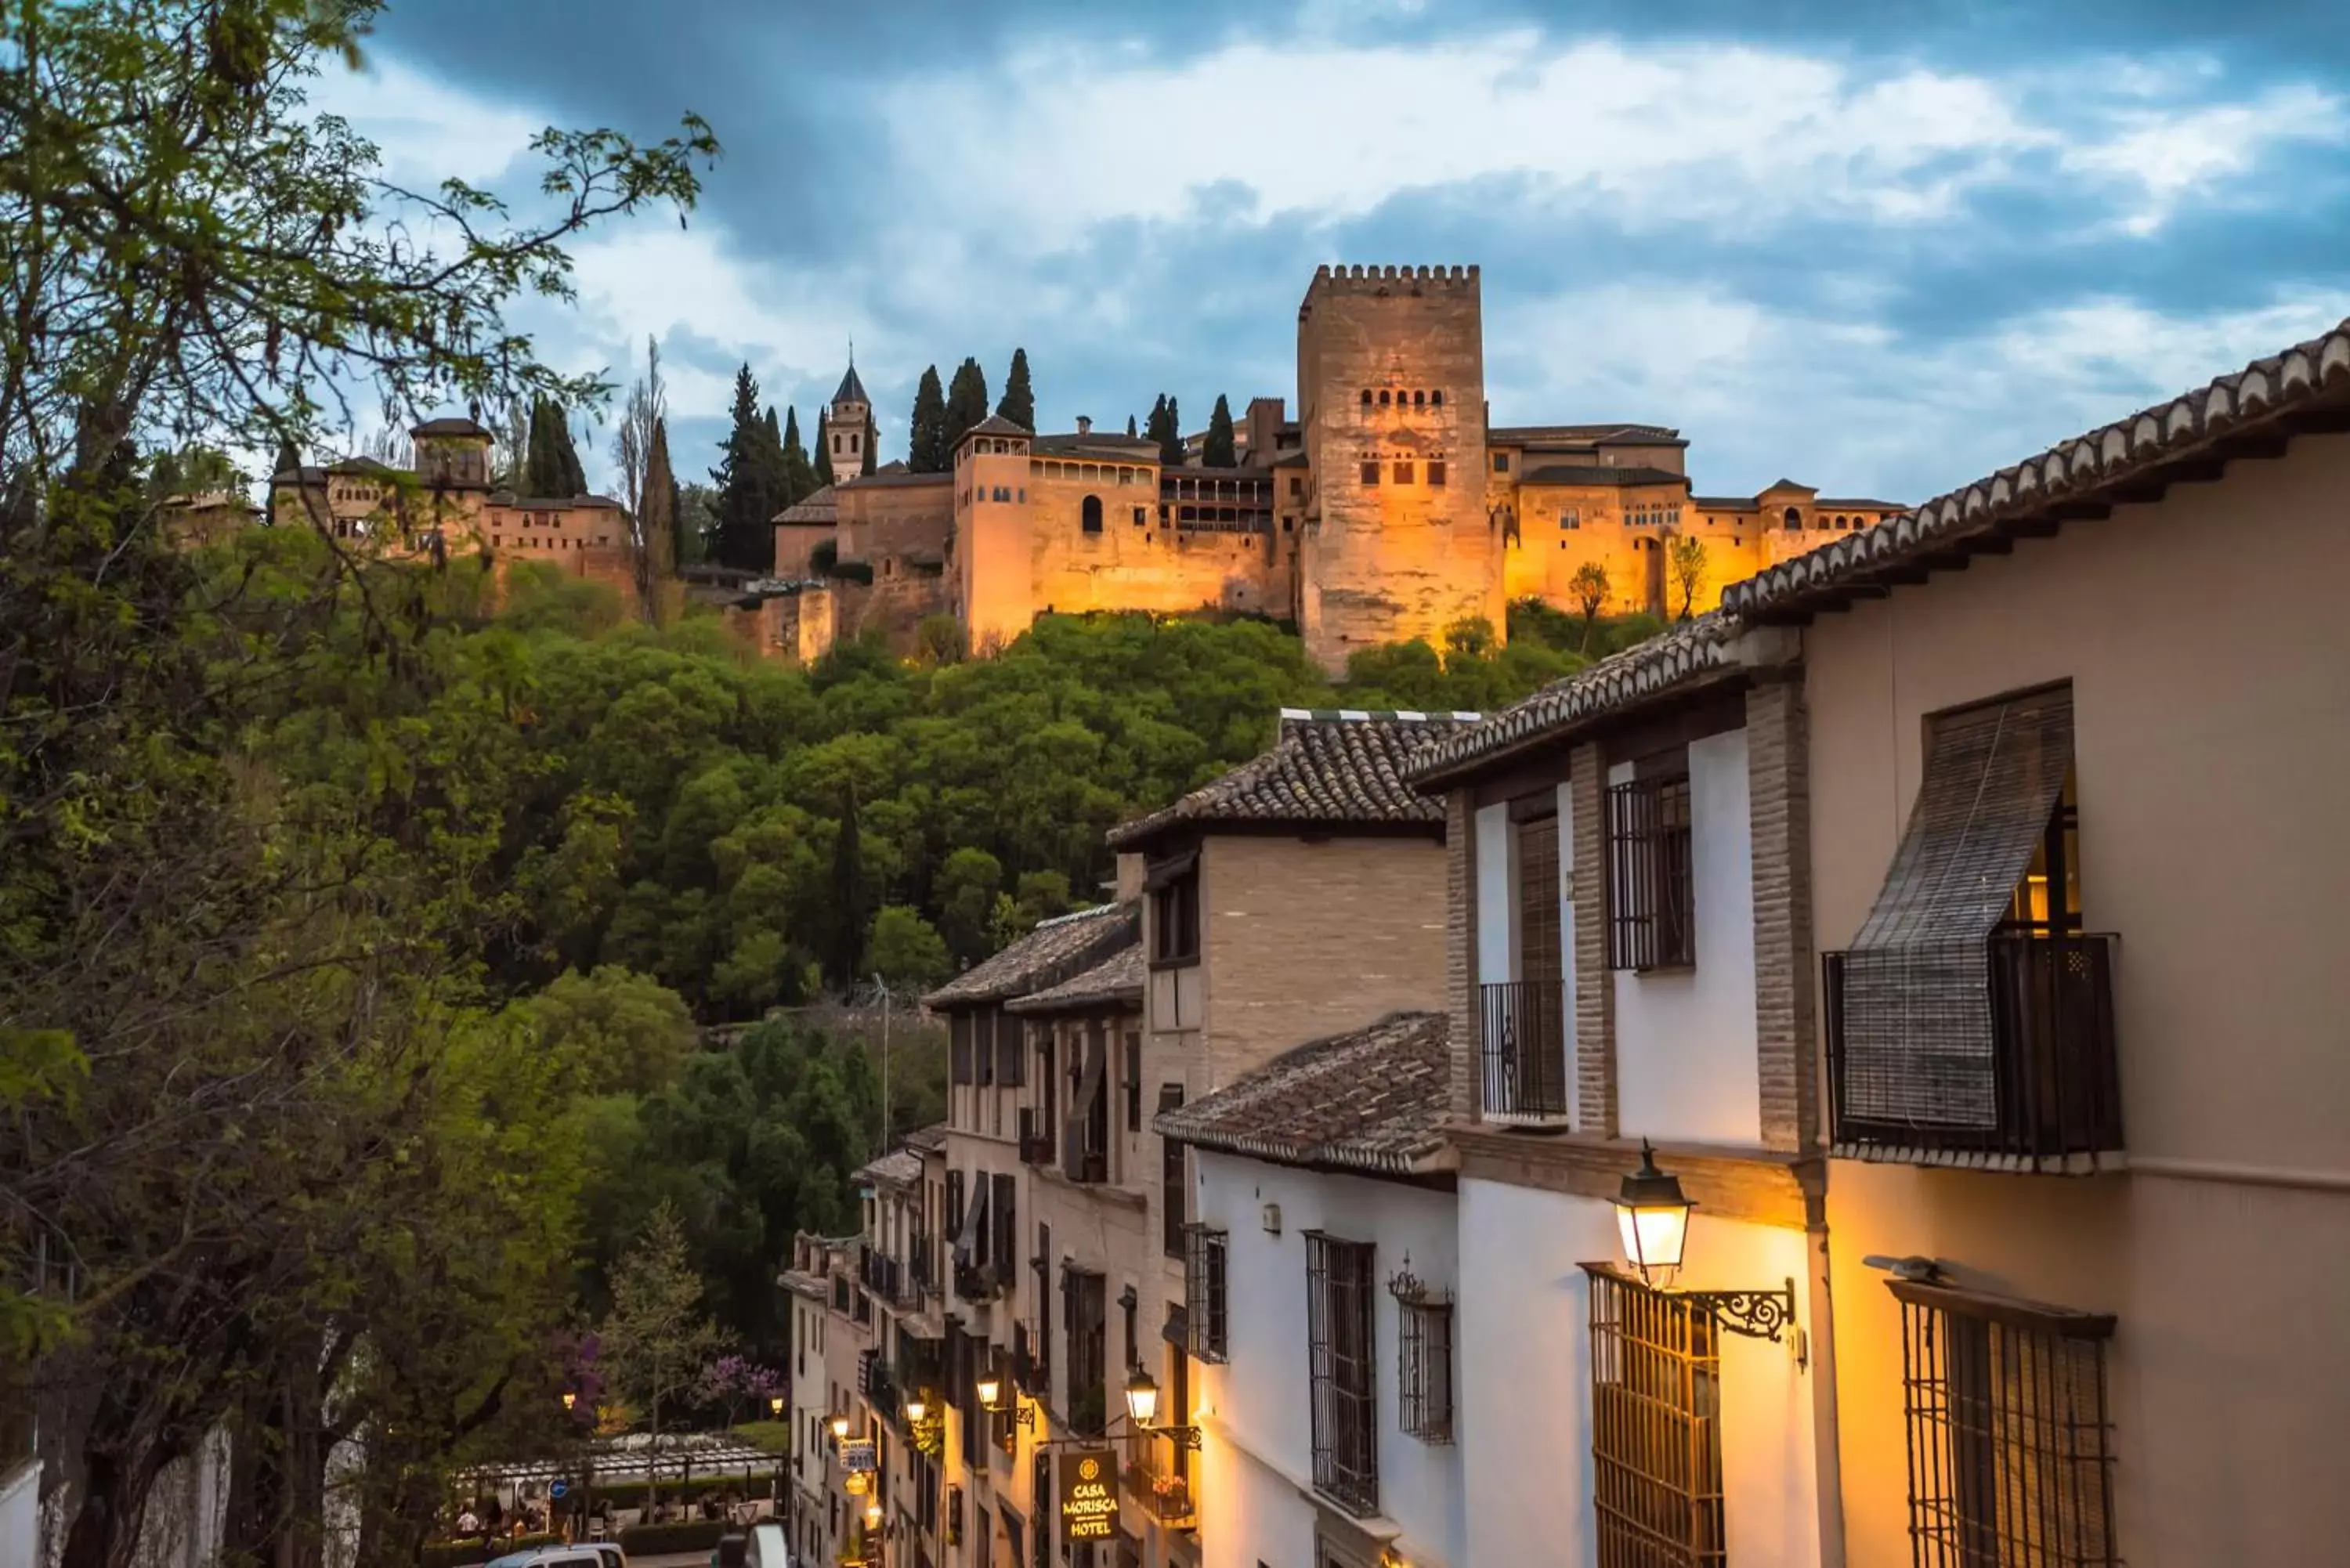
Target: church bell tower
x,y
848,427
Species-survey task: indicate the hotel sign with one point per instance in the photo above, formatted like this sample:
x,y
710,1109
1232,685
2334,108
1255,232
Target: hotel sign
x,y
857,1456
1088,1494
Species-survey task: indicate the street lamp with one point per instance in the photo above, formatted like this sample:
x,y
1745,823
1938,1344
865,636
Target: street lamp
x,y
1652,1216
775,1405
916,1407
991,1400
1141,1398
873,1514
840,1428
570,1399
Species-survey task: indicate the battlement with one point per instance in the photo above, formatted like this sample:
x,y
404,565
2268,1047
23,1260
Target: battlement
x,y
1360,279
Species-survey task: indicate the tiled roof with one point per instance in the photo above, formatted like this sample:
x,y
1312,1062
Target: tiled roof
x,y
2131,459
1582,435
1371,1099
995,424
898,1168
1689,651
1329,768
1728,503
1602,473
852,391
1116,448
819,507
1058,948
929,1139
1117,980
884,479
802,1283
451,425
1859,503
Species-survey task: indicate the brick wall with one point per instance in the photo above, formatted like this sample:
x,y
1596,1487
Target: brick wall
x,y
1595,982
1303,940
1460,947
1777,758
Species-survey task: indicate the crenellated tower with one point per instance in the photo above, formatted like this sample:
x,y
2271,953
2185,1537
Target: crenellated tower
x,y
1391,388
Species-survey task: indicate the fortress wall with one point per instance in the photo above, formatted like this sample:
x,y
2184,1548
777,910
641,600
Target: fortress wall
x,y
1139,566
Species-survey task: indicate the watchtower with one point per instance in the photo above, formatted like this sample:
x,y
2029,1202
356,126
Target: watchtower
x,y
1391,388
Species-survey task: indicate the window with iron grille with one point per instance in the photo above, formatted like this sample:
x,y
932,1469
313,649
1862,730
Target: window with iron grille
x,y
1000,1421
1174,1190
1203,1291
1656,1427
1424,1367
1651,873
2011,1464
1343,1364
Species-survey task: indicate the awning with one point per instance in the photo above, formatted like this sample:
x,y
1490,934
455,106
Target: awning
x,y
1080,1120
1917,1026
974,1219
1178,1331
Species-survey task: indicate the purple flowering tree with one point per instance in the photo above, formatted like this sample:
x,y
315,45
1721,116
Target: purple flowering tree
x,y
736,1382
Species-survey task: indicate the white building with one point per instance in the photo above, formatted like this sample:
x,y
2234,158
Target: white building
x,y
1322,1275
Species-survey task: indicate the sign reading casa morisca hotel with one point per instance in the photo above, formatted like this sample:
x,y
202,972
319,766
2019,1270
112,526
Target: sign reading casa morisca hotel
x,y
1088,1495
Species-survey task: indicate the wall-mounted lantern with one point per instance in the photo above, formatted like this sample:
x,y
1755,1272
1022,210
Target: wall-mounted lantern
x,y
1652,1218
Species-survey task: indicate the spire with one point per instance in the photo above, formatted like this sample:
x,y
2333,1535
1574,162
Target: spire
x,y
852,391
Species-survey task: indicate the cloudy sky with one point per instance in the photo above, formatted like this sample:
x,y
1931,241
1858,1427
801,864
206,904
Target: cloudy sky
x,y
1881,247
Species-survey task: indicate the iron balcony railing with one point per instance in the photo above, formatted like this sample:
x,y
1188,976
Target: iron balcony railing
x,y
1522,1048
1030,1372
1035,1148
921,1273
2045,1094
977,1282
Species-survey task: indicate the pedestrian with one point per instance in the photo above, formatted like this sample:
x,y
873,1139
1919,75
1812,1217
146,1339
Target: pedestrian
x,y
469,1524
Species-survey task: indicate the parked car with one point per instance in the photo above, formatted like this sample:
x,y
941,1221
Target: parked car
x,y
584,1554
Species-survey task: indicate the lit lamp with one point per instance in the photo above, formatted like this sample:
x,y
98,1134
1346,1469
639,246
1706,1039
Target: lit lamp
x,y
873,1515
916,1407
570,1398
840,1428
1652,1216
991,1390
991,1400
775,1405
1141,1398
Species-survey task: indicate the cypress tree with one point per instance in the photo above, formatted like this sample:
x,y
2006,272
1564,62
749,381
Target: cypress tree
x,y
1218,450
966,403
925,437
747,478
575,477
799,473
1171,445
289,457
824,474
1019,402
872,439
658,522
1157,429
542,472
1130,427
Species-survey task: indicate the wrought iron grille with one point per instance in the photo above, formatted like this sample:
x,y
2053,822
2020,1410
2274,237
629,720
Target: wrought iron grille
x,y
1424,1368
2011,1464
1521,1046
1204,1257
1651,874
1341,1347
1655,1427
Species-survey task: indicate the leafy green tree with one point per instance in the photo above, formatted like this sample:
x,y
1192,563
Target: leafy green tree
x,y
966,886
871,441
926,449
849,886
906,950
1018,403
799,473
697,521
966,403
1685,564
655,1339
1590,588
1218,450
611,1031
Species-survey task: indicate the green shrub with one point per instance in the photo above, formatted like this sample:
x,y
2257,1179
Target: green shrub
x,y
697,1535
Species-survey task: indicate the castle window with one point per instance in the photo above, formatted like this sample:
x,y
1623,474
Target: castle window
x,y
1436,397
1139,515
1091,514
1403,474
1287,523
1420,400
1436,472
1021,496
1501,463
1570,519
1371,473
1367,396
1795,519
852,443
1296,487
1384,398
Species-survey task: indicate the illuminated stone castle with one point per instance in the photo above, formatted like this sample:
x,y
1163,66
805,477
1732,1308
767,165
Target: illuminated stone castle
x,y
1388,509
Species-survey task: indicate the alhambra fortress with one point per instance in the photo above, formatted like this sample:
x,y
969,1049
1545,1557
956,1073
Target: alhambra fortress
x,y
1389,508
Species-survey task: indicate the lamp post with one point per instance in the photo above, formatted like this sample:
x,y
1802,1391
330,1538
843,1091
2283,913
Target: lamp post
x,y
1142,1411
991,1399
1652,1220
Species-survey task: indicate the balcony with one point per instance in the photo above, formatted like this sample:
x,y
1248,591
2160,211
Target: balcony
x,y
891,1281
921,1272
877,1381
1158,1482
1916,1084
1031,1373
1521,1050
977,1282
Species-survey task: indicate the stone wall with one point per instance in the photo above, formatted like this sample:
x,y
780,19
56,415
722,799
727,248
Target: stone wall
x,y
894,514
1392,554
1133,562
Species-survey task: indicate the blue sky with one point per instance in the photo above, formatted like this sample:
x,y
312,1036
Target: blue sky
x,y
1880,247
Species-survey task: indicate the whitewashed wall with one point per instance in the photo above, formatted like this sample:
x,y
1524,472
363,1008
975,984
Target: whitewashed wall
x,y
20,1517
1498,882
1685,1058
1258,1466
1526,1381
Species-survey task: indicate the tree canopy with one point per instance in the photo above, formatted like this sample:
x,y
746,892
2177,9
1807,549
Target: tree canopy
x,y
1218,450
1019,402
927,448
966,403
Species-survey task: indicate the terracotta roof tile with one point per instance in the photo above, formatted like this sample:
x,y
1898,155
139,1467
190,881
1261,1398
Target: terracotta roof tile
x,y
1118,979
1601,473
1689,652
898,1168
1372,1100
1058,948
1329,768
2090,468
929,1139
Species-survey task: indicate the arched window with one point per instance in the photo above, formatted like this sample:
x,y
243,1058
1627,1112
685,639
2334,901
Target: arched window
x,y
1795,519
1091,514
1384,399
1436,397
1420,400
1367,396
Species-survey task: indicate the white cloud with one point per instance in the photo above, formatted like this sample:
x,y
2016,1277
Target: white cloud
x,y
2174,155
428,130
